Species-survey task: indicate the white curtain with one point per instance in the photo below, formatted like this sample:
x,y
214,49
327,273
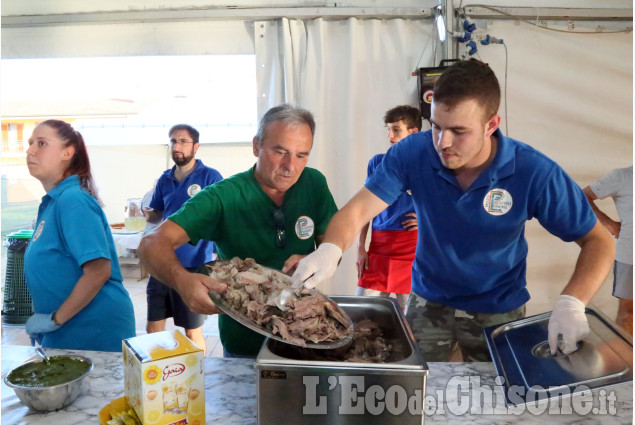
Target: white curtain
x,y
568,95
348,73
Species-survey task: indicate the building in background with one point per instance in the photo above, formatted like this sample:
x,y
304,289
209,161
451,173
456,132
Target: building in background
x,y
21,194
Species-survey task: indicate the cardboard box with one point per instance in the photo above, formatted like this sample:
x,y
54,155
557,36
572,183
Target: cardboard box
x,y
164,378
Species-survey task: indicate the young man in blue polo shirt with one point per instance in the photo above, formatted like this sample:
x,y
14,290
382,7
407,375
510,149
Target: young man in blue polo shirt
x,y
175,186
473,190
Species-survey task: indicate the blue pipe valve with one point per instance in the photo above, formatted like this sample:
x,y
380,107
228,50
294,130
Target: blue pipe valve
x,y
469,25
462,37
493,40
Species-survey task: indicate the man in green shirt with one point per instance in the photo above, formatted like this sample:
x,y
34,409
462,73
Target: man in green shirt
x,y
276,212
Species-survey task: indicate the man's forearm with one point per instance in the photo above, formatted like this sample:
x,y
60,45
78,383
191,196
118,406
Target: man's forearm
x,y
593,265
346,224
340,235
159,259
341,230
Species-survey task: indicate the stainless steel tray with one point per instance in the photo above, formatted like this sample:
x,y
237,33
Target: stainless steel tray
x,y
521,355
385,312
246,321
289,383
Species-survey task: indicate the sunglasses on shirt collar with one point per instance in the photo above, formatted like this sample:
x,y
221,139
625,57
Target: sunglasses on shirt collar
x,y
278,219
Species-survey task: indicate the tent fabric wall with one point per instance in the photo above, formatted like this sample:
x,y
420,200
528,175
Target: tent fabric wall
x,y
348,73
569,95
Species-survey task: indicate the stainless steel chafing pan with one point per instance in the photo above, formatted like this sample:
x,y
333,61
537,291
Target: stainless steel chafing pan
x,y
296,386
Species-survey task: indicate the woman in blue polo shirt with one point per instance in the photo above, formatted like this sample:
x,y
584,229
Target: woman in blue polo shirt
x,y
71,266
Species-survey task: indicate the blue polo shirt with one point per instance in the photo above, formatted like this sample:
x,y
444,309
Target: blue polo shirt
x,y
471,251
71,230
392,217
170,194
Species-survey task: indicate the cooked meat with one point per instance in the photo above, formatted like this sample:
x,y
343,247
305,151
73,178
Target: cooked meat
x,y
252,290
333,311
250,278
259,313
368,346
280,327
306,307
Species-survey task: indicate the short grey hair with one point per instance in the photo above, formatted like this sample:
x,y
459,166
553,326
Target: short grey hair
x,y
287,114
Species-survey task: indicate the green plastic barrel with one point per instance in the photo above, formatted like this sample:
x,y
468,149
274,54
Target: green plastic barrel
x,y
17,305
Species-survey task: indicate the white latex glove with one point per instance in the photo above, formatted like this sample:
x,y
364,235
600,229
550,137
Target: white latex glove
x,y
317,266
568,319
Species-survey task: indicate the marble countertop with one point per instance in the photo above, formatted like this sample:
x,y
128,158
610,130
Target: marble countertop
x,y
230,394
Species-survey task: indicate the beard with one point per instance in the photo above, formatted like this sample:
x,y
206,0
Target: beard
x,y
181,159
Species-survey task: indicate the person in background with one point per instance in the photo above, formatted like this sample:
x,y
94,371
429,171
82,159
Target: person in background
x,y
70,265
473,190
387,266
175,186
275,213
618,184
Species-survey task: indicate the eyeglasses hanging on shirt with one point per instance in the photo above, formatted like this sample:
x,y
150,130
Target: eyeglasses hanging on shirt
x,y
278,219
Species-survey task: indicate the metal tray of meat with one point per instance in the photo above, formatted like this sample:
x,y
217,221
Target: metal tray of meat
x,y
388,315
247,322
292,380
521,355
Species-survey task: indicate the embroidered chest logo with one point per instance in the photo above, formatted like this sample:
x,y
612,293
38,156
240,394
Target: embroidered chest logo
x,y
38,231
498,202
304,227
193,190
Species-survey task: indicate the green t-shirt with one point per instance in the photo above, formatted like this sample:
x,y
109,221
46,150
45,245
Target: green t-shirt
x,y
237,215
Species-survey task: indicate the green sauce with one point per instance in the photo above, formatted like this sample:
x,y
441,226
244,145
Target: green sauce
x,y
58,370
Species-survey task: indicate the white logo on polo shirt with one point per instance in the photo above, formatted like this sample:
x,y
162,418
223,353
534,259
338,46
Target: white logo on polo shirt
x,y
304,227
38,231
193,190
498,202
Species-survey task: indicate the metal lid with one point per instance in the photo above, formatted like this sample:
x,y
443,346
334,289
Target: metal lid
x,y
521,355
